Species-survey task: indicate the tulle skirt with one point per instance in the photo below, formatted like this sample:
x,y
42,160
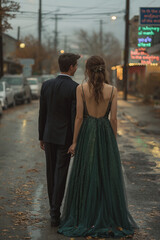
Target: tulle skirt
x,y
95,202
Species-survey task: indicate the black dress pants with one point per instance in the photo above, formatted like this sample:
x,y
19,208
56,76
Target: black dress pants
x,y
57,163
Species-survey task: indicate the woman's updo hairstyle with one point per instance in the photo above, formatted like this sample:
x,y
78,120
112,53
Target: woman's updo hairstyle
x,y
95,69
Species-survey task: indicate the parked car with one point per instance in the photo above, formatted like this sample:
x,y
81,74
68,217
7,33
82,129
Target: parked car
x,y
6,95
21,88
39,77
1,110
35,86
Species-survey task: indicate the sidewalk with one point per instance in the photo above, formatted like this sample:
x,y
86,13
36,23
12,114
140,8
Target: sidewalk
x,y
146,117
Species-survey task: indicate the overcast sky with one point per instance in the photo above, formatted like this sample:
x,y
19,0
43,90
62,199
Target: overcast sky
x,y
67,25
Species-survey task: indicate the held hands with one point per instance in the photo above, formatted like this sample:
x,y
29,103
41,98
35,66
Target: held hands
x,y
72,149
42,145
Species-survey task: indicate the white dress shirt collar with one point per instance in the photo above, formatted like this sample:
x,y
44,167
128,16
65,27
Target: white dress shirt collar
x,y
61,74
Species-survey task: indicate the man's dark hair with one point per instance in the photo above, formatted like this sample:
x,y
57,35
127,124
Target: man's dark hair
x,y
66,60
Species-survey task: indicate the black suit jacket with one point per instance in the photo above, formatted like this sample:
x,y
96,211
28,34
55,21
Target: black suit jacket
x,y
57,110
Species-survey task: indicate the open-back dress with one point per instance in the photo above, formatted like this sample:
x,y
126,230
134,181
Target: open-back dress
x,y
95,203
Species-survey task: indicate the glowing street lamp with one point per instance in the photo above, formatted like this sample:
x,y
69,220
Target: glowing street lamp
x,y
113,18
62,51
22,45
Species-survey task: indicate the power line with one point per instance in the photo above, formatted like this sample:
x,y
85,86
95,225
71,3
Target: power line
x,y
65,6
99,13
71,14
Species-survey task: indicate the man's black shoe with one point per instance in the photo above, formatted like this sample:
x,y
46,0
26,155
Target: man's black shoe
x,y
55,222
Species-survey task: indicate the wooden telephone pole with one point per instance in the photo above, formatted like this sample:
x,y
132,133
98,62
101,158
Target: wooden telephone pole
x,y
1,43
126,52
56,33
39,35
101,36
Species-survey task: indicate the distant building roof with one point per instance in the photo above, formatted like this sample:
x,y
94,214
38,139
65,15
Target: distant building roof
x,y
8,36
134,19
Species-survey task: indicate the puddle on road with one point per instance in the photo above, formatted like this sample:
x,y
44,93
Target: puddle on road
x,y
156,153
155,150
37,196
35,234
24,123
150,147
144,143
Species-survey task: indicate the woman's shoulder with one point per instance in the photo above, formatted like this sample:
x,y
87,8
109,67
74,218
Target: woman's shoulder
x,y
109,86
82,86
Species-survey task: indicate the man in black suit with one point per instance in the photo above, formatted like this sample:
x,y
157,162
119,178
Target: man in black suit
x,y
56,122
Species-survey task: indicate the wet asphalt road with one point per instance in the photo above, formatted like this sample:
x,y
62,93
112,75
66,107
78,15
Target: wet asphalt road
x,y
23,196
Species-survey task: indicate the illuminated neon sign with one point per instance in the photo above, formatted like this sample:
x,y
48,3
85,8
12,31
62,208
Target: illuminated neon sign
x,y
141,55
144,42
147,39
149,31
145,35
150,16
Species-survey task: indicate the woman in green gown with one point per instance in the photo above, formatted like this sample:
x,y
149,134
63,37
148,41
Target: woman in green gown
x,y
95,202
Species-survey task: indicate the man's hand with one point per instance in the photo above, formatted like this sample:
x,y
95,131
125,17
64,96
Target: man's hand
x,y
42,145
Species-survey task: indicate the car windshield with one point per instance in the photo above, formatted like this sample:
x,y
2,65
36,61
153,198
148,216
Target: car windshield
x,y
1,87
13,80
32,82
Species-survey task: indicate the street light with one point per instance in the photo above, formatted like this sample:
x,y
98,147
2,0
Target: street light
x,y
62,51
113,18
22,45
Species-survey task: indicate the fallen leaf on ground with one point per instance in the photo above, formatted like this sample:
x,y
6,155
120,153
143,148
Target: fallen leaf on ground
x,y
32,170
2,198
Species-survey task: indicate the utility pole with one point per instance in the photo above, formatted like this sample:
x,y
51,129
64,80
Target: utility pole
x,y
18,34
1,43
39,35
65,43
101,36
18,37
56,33
126,52
56,18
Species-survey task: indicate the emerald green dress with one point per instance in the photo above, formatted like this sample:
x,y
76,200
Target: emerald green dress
x,y
95,203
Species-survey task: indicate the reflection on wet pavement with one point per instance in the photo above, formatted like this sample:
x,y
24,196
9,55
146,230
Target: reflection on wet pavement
x,y
142,142
35,233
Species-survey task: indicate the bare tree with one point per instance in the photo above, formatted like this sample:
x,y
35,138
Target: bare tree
x,y
8,9
90,44
31,50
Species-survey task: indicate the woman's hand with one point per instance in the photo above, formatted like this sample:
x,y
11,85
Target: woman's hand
x,y
42,145
72,149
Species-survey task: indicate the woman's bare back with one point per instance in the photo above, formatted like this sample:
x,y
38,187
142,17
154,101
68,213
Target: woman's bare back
x,y
94,109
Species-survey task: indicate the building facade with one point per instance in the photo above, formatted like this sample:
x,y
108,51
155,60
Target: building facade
x,y
144,61
11,65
